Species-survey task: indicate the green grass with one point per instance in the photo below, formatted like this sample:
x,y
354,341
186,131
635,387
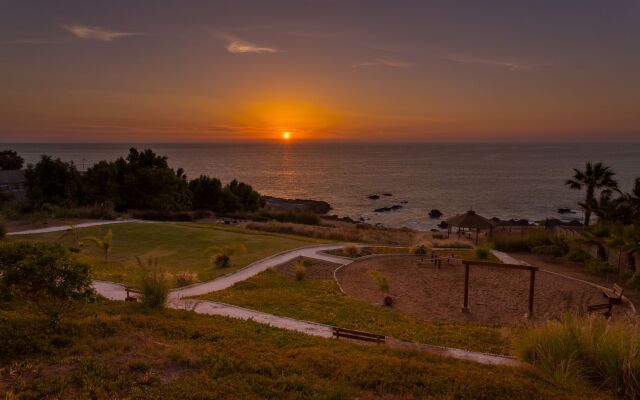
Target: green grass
x,y
118,350
321,301
178,246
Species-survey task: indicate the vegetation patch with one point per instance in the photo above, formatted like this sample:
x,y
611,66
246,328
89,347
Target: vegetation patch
x,y
120,350
321,301
178,248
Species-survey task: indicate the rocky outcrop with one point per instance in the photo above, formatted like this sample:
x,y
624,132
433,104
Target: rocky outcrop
x,y
394,207
315,206
435,213
373,197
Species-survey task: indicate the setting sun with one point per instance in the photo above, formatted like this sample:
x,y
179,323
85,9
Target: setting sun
x,y
286,135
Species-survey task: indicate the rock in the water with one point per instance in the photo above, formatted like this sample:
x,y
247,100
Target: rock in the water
x,y
435,213
394,207
387,194
374,197
565,211
315,206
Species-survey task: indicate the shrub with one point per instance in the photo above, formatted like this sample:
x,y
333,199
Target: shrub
x,y
222,255
383,284
604,353
157,215
46,276
184,278
482,253
599,267
153,284
453,244
576,254
634,281
420,250
299,270
523,242
351,251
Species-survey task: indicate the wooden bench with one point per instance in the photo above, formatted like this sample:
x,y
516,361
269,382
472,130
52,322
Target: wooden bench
x,y
604,309
615,295
358,335
129,297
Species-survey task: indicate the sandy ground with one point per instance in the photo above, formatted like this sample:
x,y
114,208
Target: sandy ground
x,y
576,270
495,295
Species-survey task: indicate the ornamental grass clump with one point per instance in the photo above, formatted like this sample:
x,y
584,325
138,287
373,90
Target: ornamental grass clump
x,y
580,350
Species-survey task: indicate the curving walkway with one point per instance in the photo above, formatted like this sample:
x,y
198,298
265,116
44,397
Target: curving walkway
x,y
61,228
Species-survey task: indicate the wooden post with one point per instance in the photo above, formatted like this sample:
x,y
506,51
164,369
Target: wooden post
x,y
532,283
465,307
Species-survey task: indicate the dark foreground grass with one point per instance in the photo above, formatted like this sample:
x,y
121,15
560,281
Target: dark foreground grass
x,y
321,301
118,350
179,247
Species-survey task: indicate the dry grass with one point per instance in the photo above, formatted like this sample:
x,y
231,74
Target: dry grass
x,y
351,233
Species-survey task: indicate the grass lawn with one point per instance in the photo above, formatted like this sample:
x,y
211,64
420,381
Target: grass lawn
x,y
321,301
119,350
178,246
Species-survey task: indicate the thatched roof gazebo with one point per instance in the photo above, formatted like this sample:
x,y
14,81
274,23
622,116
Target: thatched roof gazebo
x,y
469,220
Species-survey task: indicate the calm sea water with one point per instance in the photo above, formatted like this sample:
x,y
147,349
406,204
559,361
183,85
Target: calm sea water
x,y
502,180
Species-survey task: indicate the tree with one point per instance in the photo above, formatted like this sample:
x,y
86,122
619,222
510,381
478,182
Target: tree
x,y
594,177
10,160
105,243
206,193
221,256
54,182
46,276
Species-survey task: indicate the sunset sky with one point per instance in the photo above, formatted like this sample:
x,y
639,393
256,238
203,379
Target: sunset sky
x,y
170,71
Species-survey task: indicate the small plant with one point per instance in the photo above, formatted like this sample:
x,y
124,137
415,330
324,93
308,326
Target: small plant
x,y
634,281
383,284
153,283
599,267
351,251
184,278
105,244
482,253
222,256
576,254
421,250
300,270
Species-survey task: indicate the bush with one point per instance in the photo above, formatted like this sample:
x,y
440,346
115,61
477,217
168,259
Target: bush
x,y
157,215
599,267
45,275
482,253
299,270
576,254
634,281
420,250
184,278
523,242
574,350
351,251
153,284
453,244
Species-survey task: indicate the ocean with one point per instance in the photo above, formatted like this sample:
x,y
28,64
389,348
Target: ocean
x,y
504,180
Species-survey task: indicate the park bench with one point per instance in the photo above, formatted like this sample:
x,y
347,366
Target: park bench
x,y
129,297
615,295
358,335
604,309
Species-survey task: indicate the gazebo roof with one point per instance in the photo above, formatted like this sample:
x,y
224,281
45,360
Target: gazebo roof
x,y
470,220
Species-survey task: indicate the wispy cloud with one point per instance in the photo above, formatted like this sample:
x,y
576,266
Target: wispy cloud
x,y
238,46
96,33
384,63
489,62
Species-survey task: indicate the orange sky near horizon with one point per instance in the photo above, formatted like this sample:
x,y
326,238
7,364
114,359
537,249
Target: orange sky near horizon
x,y
353,71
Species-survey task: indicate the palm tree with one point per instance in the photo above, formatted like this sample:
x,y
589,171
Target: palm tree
x,y
105,244
599,236
594,177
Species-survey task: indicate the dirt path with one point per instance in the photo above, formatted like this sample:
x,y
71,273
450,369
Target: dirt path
x,y
61,228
